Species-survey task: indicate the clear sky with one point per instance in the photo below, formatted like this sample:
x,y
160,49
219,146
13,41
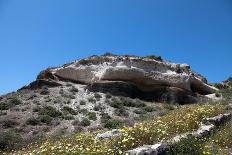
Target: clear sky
x,y
36,34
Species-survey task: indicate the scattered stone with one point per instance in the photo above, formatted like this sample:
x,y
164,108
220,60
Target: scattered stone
x,y
109,134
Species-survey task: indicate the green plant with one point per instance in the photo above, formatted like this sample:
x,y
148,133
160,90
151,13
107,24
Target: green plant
x,y
113,124
108,96
69,110
10,103
8,123
92,100
97,96
83,111
33,121
104,117
50,111
149,109
82,102
68,117
74,90
92,116
121,112
140,111
169,106
10,140
45,119
85,122
44,91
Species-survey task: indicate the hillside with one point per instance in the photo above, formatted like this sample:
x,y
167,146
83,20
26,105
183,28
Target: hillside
x,y
69,105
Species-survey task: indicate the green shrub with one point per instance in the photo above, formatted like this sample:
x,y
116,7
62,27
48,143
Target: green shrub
x,y
8,123
50,111
105,117
5,106
116,104
190,146
69,110
85,122
75,122
44,91
68,117
168,106
92,100
33,121
121,112
83,111
74,90
108,96
92,116
158,58
140,111
149,109
10,103
82,102
15,101
98,96
10,140
45,119
113,124
61,91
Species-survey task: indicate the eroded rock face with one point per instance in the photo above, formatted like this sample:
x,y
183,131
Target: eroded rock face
x,y
143,74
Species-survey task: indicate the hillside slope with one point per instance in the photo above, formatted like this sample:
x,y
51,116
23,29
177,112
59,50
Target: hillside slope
x,y
99,92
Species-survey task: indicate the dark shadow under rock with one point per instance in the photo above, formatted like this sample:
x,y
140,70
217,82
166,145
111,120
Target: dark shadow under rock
x,y
153,93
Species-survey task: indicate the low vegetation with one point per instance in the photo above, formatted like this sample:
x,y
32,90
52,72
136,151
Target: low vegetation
x,y
184,119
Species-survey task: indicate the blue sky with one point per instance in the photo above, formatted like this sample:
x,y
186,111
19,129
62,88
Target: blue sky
x,y
38,34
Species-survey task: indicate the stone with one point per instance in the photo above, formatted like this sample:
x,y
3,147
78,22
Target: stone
x,y
143,72
109,134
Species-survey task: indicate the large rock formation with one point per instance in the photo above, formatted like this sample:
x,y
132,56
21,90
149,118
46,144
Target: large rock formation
x,y
142,77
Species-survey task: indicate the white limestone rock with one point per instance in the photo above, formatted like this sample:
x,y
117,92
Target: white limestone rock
x,y
141,71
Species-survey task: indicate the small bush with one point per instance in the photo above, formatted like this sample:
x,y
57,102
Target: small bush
x,y
44,91
82,102
15,101
9,123
116,104
168,106
158,58
97,96
85,122
75,122
92,116
98,108
68,96
113,124
140,111
10,140
92,100
83,111
108,96
45,119
68,117
121,112
74,90
105,117
32,121
61,91
5,106
50,111
10,103
149,109
69,110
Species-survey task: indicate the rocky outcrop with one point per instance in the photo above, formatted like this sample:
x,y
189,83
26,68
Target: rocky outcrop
x,y
145,74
